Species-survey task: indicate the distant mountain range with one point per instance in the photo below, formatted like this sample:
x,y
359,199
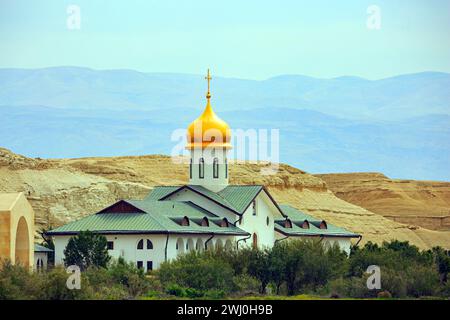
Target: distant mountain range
x,y
399,126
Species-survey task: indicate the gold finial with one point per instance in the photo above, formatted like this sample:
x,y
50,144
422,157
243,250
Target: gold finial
x,y
208,78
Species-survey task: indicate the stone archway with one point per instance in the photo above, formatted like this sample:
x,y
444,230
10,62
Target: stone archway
x,y
22,252
16,229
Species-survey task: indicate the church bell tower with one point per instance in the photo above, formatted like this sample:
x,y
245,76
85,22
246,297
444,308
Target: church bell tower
x,y
208,140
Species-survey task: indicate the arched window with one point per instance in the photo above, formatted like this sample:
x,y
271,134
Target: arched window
x,y
201,168
140,245
226,168
216,168
255,241
287,223
149,245
305,224
323,225
185,222
205,222
190,169
224,223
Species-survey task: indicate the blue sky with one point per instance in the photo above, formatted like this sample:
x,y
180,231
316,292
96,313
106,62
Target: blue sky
x,y
244,39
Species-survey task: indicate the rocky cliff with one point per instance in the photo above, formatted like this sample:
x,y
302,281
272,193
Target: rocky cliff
x,y
423,203
61,190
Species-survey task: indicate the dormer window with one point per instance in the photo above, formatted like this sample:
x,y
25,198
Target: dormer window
x,y
304,225
224,223
185,222
205,222
323,225
288,224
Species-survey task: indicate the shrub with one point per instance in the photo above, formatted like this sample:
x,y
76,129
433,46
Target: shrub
x,y
199,271
245,284
132,278
176,290
17,282
422,281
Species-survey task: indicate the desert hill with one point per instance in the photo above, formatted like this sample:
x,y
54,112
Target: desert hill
x,y
422,203
61,190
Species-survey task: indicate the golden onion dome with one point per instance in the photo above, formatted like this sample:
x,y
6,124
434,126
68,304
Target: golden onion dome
x,y
208,130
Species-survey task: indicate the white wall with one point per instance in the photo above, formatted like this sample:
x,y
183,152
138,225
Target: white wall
x,y
258,224
126,246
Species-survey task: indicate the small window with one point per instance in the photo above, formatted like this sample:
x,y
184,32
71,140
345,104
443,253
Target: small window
x,y
185,222
205,222
224,223
140,245
255,241
187,246
190,169
323,225
226,168
254,207
149,245
201,168
287,223
176,246
241,220
305,224
267,221
216,168
110,245
140,264
149,265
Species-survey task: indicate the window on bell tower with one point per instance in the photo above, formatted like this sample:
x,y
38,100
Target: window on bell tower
x,y
201,168
216,168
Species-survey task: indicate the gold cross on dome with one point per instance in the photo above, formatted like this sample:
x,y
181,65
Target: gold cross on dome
x,y
208,78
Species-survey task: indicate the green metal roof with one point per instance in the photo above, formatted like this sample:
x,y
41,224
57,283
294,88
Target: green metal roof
x,y
240,197
159,217
298,217
234,197
295,214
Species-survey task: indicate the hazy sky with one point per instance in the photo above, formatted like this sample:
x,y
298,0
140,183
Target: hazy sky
x,y
246,39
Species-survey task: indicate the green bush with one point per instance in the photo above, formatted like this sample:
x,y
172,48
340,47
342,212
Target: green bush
x,y
175,290
16,282
422,281
394,282
245,284
127,275
199,271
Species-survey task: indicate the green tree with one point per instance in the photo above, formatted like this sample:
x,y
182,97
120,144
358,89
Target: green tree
x,y
442,260
86,250
259,267
278,264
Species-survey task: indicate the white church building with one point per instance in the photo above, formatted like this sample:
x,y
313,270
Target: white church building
x,y
206,213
